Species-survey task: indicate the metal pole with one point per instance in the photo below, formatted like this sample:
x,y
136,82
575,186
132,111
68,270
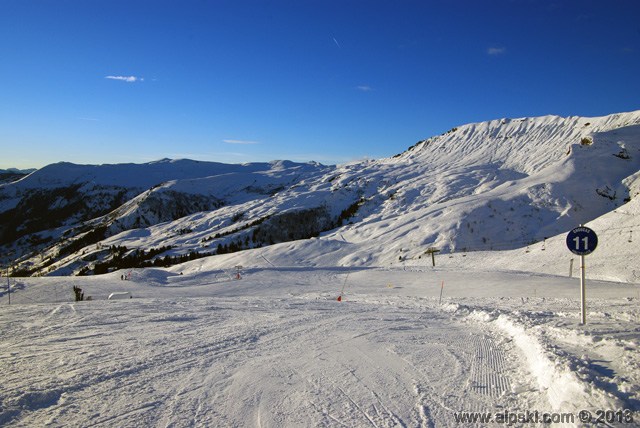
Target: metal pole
x,y
8,286
583,300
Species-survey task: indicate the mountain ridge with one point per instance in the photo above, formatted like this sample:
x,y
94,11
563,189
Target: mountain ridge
x,y
495,185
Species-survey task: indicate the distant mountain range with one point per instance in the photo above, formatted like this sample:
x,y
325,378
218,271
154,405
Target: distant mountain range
x,y
497,185
13,174
17,171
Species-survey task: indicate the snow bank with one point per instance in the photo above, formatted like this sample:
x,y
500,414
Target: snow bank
x,y
570,381
555,374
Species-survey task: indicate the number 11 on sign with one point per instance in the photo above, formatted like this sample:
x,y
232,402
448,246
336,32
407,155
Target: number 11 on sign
x,y
585,241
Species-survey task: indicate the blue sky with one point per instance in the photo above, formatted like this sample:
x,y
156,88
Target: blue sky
x,y
91,81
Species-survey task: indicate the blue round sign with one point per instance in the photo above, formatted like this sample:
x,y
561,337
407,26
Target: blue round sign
x,y
582,241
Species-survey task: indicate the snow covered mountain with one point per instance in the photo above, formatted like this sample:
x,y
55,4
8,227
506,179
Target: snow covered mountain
x,y
499,185
13,174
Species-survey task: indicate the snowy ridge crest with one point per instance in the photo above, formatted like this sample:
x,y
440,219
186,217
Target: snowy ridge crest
x,y
526,145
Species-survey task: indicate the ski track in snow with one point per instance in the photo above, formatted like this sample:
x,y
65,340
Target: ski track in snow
x,y
240,364
277,350
291,364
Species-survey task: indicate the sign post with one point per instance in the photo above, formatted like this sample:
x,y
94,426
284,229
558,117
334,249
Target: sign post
x,y
582,241
432,251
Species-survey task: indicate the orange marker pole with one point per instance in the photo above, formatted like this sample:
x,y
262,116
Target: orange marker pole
x,y
339,299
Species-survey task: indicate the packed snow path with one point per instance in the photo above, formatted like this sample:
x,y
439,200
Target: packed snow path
x,y
216,362
277,350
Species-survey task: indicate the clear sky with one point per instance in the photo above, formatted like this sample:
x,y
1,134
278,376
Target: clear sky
x,y
92,81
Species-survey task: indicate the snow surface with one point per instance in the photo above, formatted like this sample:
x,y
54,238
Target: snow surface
x,y
196,347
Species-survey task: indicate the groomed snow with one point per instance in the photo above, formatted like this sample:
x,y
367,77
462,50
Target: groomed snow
x,y
197,347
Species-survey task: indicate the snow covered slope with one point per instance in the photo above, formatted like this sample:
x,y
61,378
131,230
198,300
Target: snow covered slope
x,y
194,348
54,209
500,185
503,185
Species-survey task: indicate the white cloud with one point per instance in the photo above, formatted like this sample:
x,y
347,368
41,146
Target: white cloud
x,y
496,51
364,88
128,79
240,142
